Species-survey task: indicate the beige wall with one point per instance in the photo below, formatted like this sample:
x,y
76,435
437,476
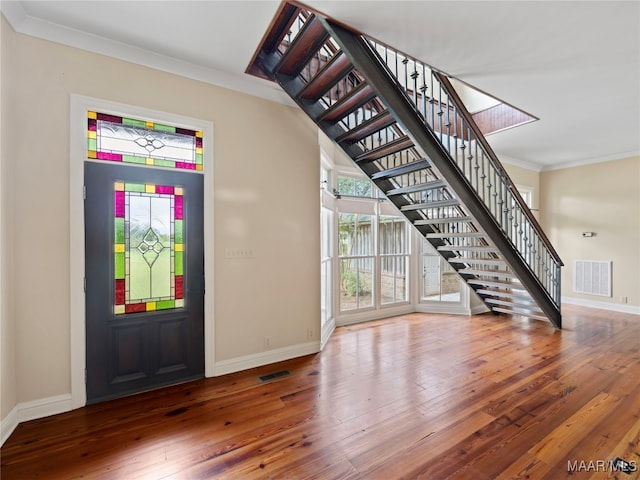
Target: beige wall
x,y
7,324
266,180
603,198
526,178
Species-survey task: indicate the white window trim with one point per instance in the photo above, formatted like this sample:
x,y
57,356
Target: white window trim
x,y
79,106
415,302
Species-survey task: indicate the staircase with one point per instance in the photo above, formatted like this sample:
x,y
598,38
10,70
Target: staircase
x,y
403,125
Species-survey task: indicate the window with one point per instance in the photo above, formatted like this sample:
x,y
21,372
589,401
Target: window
x,y
394,258
129,140
355,187
148,247
440,282
326,258
356,254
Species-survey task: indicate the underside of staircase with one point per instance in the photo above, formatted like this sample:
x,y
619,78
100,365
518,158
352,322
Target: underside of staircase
x,y
403,124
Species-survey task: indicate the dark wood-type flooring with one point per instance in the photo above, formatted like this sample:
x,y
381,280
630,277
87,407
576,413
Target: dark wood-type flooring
x,y
416,396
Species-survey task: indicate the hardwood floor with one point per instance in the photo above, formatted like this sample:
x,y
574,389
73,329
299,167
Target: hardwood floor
x,y
416,396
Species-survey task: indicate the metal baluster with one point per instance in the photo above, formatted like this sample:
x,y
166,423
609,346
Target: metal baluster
x,y
454,154
471,157
448,124
440,111
432,101
483,174
415,76
424,92
504,208
395,71
509,214
522,244
498,194
534,241
558,284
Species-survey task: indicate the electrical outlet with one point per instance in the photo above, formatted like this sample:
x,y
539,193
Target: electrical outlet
x,y
624,299
309,333
267,342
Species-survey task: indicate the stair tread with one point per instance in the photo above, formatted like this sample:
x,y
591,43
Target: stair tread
x,y
327,77
504,294
436,221
455,235
307,42
354,99
419,187
369,127
492,283
438,203
389,148
478,261
488,273
416,166
465,248
522,314
524,306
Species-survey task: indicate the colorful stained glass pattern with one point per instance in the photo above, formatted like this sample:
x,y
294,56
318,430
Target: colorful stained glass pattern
x,y
148,247
128,140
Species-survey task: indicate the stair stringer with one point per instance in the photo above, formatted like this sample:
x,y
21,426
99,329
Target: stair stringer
x,y
366,62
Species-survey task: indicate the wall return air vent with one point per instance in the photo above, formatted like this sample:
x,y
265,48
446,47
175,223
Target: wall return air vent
x,y
592,277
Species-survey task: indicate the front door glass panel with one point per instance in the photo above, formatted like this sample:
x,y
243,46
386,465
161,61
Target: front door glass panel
x,y
148,248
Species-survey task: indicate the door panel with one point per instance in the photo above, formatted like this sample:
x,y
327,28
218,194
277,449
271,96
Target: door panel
x,y
144,278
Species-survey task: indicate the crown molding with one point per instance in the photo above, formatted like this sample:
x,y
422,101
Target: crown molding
x,y
591,161
25,24
536,167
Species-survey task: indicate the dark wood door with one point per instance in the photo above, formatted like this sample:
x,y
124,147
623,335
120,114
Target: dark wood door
x,y
144,267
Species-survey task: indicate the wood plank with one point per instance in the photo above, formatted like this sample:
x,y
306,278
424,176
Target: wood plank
x,y
347,104
552,448
327,77
419,395
389,148
307,42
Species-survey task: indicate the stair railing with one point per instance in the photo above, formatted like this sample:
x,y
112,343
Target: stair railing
x,y
444,113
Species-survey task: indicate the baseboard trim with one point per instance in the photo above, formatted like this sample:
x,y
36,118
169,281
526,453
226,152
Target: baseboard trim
x,y
327,331
478,309
614,307
23,412
265,358
443,308
8,424
370,315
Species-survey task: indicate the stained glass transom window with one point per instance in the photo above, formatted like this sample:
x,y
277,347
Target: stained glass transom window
x,y
148,247
128,140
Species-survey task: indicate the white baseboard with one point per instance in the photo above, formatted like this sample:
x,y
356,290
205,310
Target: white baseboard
x,y
23,412
478,309
447,308
8,424
614,307
265,358
327,331
353,318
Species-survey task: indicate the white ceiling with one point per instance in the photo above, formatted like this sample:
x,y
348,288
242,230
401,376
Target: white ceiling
x,y
573,64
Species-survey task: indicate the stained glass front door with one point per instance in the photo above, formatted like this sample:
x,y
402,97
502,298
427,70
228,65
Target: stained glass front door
x,y
144,272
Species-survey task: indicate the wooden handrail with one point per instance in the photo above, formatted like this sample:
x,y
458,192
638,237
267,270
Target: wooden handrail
x,y
453,95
